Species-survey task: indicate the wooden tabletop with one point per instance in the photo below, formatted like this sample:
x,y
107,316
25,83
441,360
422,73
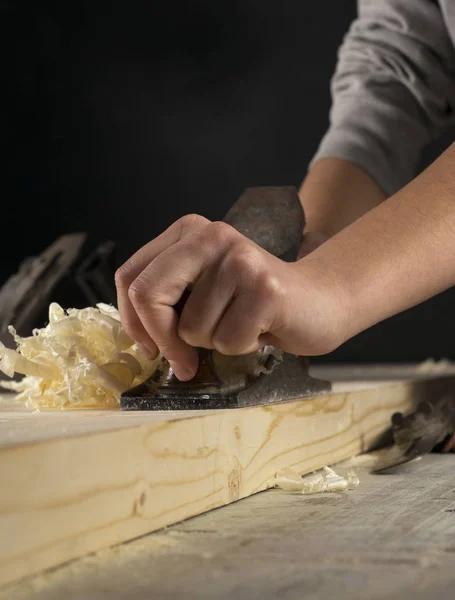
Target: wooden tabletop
x,y
392,537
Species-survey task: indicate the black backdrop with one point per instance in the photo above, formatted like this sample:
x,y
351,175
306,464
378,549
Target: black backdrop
x,y
122,116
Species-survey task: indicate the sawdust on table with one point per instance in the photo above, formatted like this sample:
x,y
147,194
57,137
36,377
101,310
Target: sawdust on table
x,y
92,564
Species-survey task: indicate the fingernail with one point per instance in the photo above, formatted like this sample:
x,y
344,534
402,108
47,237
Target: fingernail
x,y
182,372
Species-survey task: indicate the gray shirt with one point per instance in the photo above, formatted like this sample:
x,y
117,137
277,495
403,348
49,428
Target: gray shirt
x,y
393,90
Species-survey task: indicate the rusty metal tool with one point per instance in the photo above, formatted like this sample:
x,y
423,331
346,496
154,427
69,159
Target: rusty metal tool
x,y
418,433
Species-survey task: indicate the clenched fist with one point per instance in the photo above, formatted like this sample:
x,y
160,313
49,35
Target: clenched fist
x,y
237,297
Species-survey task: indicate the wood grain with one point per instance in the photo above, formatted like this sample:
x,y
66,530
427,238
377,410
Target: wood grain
x,y
392,537
86,487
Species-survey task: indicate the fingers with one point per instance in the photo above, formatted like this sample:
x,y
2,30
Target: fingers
x,y
159,287
127,274
230,308
187,225
160,321
153,296
246,322
205,306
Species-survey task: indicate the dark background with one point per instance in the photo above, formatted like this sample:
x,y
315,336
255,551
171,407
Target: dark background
x,y
122,116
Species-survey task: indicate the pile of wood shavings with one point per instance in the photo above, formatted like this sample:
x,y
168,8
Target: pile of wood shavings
x,y
81,359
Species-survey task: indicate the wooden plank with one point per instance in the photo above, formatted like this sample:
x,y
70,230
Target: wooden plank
x,y
81,488
392,537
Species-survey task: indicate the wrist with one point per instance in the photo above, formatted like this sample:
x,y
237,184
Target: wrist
x,y
328,304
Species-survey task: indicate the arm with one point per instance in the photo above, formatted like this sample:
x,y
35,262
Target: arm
x,y
241,297
397,255
393,92
335,193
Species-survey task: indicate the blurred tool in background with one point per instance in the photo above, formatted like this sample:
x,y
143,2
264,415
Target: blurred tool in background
x,y
67,272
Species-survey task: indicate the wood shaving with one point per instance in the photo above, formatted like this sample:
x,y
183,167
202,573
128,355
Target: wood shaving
x,y
326,480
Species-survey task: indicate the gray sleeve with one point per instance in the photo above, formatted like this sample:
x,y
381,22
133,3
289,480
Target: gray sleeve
x,y
393,89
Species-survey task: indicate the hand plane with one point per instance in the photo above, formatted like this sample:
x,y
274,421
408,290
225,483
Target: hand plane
x,y
273,218
418,433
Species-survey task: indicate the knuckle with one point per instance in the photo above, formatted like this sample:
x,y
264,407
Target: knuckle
x,y
122,276
267,285
188,222
243,258
224,345
190,332
138,293
222,231
186,332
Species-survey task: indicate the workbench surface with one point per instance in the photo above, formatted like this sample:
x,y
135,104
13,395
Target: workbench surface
x,y
392,537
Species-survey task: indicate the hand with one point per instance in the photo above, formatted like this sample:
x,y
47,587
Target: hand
x,y
240,297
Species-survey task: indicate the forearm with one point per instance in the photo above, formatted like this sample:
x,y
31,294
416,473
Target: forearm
x,y
395,256
335,193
